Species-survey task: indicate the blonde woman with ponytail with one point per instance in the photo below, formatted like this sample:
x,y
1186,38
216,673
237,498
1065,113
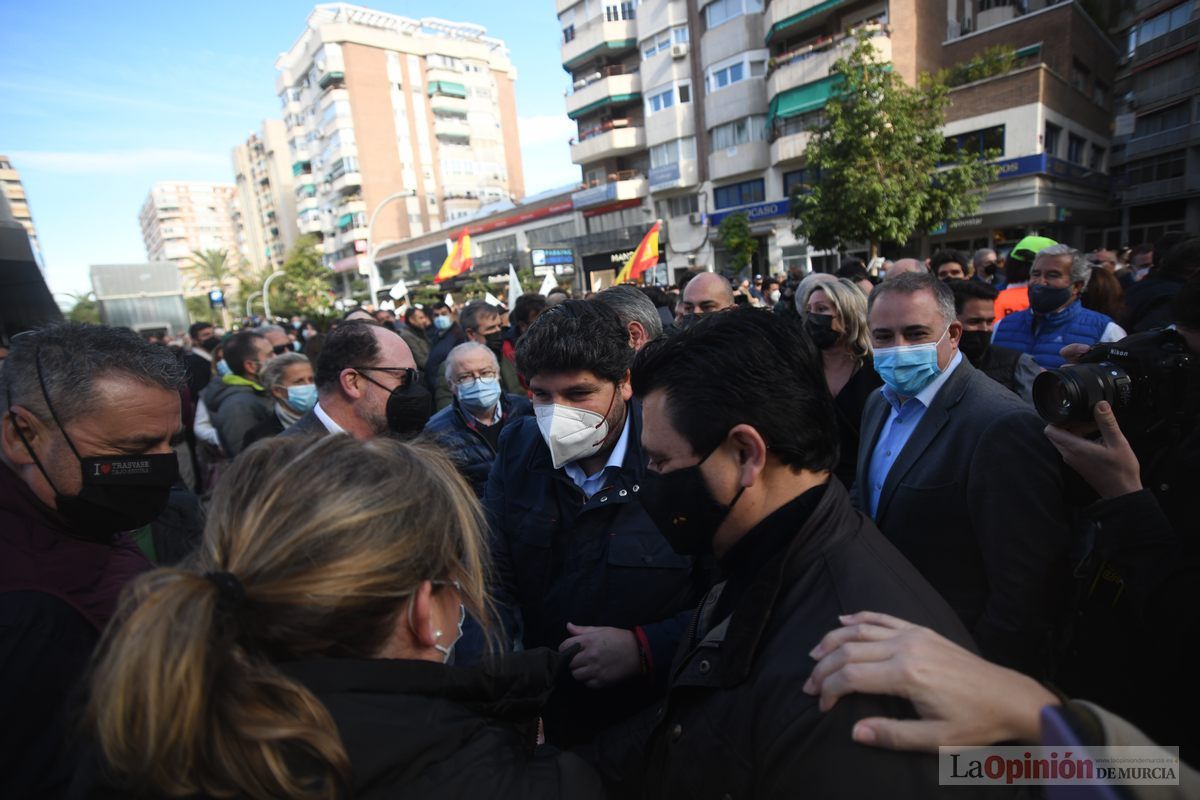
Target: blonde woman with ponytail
x,y
303,651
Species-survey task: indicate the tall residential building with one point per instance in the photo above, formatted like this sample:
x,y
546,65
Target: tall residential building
x,y
377,104
265,212
1156,146
690,110
179,218
14,190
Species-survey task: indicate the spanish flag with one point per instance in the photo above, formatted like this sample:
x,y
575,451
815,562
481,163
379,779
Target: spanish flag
x,y
458,261
644,258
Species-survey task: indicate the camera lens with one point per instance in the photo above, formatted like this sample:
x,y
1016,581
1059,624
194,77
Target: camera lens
x,y
1069,393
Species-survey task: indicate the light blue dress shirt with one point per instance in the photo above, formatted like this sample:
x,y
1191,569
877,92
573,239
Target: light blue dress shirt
x,y
900,424
590,484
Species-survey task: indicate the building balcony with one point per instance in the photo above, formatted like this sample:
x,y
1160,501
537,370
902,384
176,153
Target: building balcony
x,y
1176,137
352,235
742,99
739,160
790,147
679,175
1168,41
625,185
357,206
1154,191
615,141
334,77
346,183
610,86
307,204
451,128
599,37
448,106
446,88
310,225
813,62
436,74
562,5
1167,90
786,18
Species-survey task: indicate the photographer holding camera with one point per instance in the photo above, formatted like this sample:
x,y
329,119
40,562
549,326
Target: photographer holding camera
x,y
1136,613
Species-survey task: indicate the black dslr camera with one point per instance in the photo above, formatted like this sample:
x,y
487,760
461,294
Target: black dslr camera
x,y
1150,379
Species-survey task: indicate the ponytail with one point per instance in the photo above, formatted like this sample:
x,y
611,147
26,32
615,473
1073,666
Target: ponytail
x,y
180,707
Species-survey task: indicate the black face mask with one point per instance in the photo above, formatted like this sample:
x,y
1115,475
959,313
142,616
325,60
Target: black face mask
x,y
974,345
120,493
210,343
409,406
495,343
684,509
1046,299
820,329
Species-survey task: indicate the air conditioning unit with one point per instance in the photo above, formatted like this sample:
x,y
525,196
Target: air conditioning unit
x,y
679,50
695,217
579,84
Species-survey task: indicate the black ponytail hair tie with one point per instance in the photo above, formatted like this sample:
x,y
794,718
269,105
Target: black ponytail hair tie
x,y
231,595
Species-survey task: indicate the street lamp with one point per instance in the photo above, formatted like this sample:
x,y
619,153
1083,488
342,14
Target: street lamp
x,y
266,294
373,278
250,300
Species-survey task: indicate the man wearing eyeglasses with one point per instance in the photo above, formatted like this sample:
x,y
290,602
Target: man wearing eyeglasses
x,y
469,428
481,324
367,386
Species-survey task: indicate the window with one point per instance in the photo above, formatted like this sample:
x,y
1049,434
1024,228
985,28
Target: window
x,y
1096,158
977,142
721,11
1100,93
799,179
1174,117
685,93
614,12
740,131
753,64
678,206
1159,168
1053,133
1079,76
657,102
739,194
569,33
672,152
1164,23
1075,147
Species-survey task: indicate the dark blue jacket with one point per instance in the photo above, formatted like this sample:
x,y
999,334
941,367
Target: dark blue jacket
x,y
458,433
560,557
1043,336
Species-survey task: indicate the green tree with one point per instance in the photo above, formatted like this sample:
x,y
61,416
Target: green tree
x,y
304,288
885,173
211,266
84,309
736,237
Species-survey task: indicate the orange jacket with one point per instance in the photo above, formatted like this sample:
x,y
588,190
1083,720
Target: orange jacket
x,y
1010,301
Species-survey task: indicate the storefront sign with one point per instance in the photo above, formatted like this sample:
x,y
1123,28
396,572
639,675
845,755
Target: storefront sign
x,y
595,196
555,255
754,213
665,175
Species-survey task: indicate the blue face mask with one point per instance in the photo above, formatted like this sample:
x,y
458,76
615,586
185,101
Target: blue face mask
x,y
442,323
480,395
908,369
302,398
222,368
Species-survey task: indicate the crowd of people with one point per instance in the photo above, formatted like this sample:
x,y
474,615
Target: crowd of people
x,y
757,537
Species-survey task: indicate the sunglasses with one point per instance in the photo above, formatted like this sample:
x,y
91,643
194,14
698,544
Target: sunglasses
x,y
280,349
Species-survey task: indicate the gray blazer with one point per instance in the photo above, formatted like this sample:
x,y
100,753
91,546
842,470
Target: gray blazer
x,y
975,502
308,425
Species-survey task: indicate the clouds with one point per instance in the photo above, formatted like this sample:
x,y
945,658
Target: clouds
x,y
545,153
121,162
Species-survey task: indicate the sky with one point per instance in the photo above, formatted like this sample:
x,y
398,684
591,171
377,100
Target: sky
x,y
100,100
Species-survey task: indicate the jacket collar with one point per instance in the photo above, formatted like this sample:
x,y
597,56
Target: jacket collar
x,y
238,380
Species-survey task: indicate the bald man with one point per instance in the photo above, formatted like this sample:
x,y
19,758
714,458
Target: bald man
x,y
904,265
706,293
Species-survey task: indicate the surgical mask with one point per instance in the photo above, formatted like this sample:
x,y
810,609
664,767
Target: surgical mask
x,y
974,345
119,493
683,507
302,398
908,369
572,433
819,328
223,368
479,395
442,323
774,295
1045,299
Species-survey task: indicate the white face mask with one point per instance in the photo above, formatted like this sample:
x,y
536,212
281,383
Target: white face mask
x,y
775,295
571,433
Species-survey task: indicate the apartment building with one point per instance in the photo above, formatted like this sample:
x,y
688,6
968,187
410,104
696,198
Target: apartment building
x,y
265,211
1156,146
691,110
376,105
14,190
181,217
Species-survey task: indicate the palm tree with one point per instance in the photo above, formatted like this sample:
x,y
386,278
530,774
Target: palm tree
x,y
211,265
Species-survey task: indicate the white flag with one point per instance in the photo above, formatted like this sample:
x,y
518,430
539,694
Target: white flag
x,y
492,300
449,299
514,286
548,284
399,290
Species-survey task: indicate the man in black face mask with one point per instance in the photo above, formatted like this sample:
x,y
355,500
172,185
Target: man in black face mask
x,y
87,414
975,307
367,386
740,437
481,323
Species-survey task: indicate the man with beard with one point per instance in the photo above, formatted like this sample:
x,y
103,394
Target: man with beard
x,y
975,307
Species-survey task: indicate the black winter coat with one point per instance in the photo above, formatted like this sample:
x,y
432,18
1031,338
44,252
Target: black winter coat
x,y
736,722
560,557
458,433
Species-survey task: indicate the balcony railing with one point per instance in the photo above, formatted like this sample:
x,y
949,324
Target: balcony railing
x,y
1167,41
1166,89
1176,137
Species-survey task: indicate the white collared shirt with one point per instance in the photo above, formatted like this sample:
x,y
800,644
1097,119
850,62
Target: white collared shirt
x,y
327,420
200,351
590,484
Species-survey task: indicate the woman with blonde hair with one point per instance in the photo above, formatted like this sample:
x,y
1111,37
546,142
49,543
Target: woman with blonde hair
x,y
303,652
835,317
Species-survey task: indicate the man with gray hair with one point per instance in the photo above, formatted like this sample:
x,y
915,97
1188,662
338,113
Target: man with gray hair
x,y
985,264
1056,317
904,266
276,336
934,439
87,415
469,428
637,314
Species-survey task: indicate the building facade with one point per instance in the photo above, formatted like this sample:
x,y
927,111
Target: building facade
x,y
691,110
265,212
179,218
377,104
14,190
1156,146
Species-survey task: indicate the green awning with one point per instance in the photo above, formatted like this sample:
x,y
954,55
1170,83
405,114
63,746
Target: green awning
x,y
300,166
612,49
331,77
447,88
344,220
796,19
801,99
611,100
1027,52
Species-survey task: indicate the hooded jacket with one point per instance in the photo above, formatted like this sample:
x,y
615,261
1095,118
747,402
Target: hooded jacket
x,y
236,405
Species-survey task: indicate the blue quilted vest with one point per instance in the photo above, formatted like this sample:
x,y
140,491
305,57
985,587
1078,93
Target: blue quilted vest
x,y
1073,325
